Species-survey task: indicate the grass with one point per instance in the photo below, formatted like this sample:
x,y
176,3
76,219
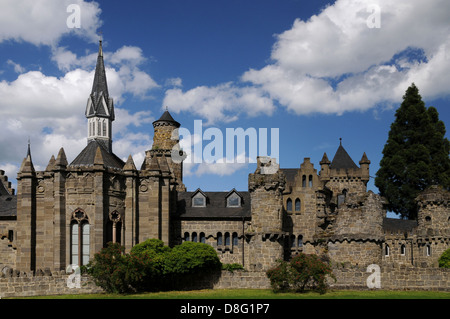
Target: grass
x,y
263,294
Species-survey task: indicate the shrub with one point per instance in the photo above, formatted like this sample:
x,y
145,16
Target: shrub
x,y
115,272
232,267
444,260
302,271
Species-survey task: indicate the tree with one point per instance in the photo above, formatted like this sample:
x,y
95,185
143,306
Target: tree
x,y
416,155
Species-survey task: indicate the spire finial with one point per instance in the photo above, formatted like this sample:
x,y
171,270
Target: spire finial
x,y
29,147
340,141
167,108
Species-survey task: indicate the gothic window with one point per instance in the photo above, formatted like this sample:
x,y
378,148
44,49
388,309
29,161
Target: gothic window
x,y
289,205
98,128
80,238
104,128
235,239
202,238
297,205
219,239
292,240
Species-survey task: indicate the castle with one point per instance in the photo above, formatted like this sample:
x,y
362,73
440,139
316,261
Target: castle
x,y
70,211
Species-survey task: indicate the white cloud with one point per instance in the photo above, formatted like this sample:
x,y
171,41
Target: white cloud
x,y
334,63
17,67
221,103
44,22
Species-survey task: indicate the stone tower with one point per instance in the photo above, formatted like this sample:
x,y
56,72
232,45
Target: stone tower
x,y
266,234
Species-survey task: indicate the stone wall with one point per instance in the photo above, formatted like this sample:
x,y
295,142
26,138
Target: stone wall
x,y
21,284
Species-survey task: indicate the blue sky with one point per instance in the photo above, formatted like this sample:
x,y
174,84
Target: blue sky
x,y
315,70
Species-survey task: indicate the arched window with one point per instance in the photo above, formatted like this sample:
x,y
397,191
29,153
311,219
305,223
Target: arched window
x,y
114,225
403,250
300,241
304,181
292,239
186,236
194,237
219,239
202,238
227,239
386,250
310,181
289,205
80,238
428,250
99,128
297,205
235,239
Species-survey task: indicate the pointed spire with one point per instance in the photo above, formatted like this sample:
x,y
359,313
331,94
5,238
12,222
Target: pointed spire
x,y
129,165
325,159
61,159
364,159
51,164
341,159
27,164
100,86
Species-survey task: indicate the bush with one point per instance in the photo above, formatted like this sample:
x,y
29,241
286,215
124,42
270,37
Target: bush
x,y
302,271
444,260
115,272
152,266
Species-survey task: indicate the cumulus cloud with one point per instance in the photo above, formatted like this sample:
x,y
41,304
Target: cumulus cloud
x,y
44,22
337,62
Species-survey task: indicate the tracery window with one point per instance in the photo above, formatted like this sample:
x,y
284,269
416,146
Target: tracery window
x,y
80,238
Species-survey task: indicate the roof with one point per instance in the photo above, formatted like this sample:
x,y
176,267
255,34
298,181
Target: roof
x,y
342,160
215,206
8,206
290,174
87,156
166,117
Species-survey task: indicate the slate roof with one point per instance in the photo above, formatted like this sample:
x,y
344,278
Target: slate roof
x,y
166,117
87,156
8,206
215,206
342,160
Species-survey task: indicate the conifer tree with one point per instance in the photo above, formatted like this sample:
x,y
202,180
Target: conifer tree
x,y
416,155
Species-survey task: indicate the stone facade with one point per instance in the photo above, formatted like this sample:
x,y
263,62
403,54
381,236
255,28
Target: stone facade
x,y
68,212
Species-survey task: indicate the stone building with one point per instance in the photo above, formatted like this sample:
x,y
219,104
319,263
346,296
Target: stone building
x,y
68,212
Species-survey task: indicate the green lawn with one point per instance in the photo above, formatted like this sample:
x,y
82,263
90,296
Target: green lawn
x,y
264,294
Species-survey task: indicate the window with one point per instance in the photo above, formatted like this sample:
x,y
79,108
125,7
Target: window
x,y
292,240
234,200
194,237
99,129
199,200
300,241
386,250
310,181
304,181
227,239
428,250
235,239
219,239
202,238
289,205
80,238
297,205
104,128
186,236
403,250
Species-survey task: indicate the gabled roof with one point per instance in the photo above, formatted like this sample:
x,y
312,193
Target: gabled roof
x,y
342,160
216,207
87,156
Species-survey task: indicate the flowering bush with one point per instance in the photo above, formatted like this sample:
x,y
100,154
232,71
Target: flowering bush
x,y
302,271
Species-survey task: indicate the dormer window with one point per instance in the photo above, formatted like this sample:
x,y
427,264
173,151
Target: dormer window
x,y
233,199
199,200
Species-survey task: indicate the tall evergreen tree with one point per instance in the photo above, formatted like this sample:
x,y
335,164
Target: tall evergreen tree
x,y
416,155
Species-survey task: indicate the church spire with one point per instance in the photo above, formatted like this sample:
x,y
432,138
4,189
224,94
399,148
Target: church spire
x,y
100,107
